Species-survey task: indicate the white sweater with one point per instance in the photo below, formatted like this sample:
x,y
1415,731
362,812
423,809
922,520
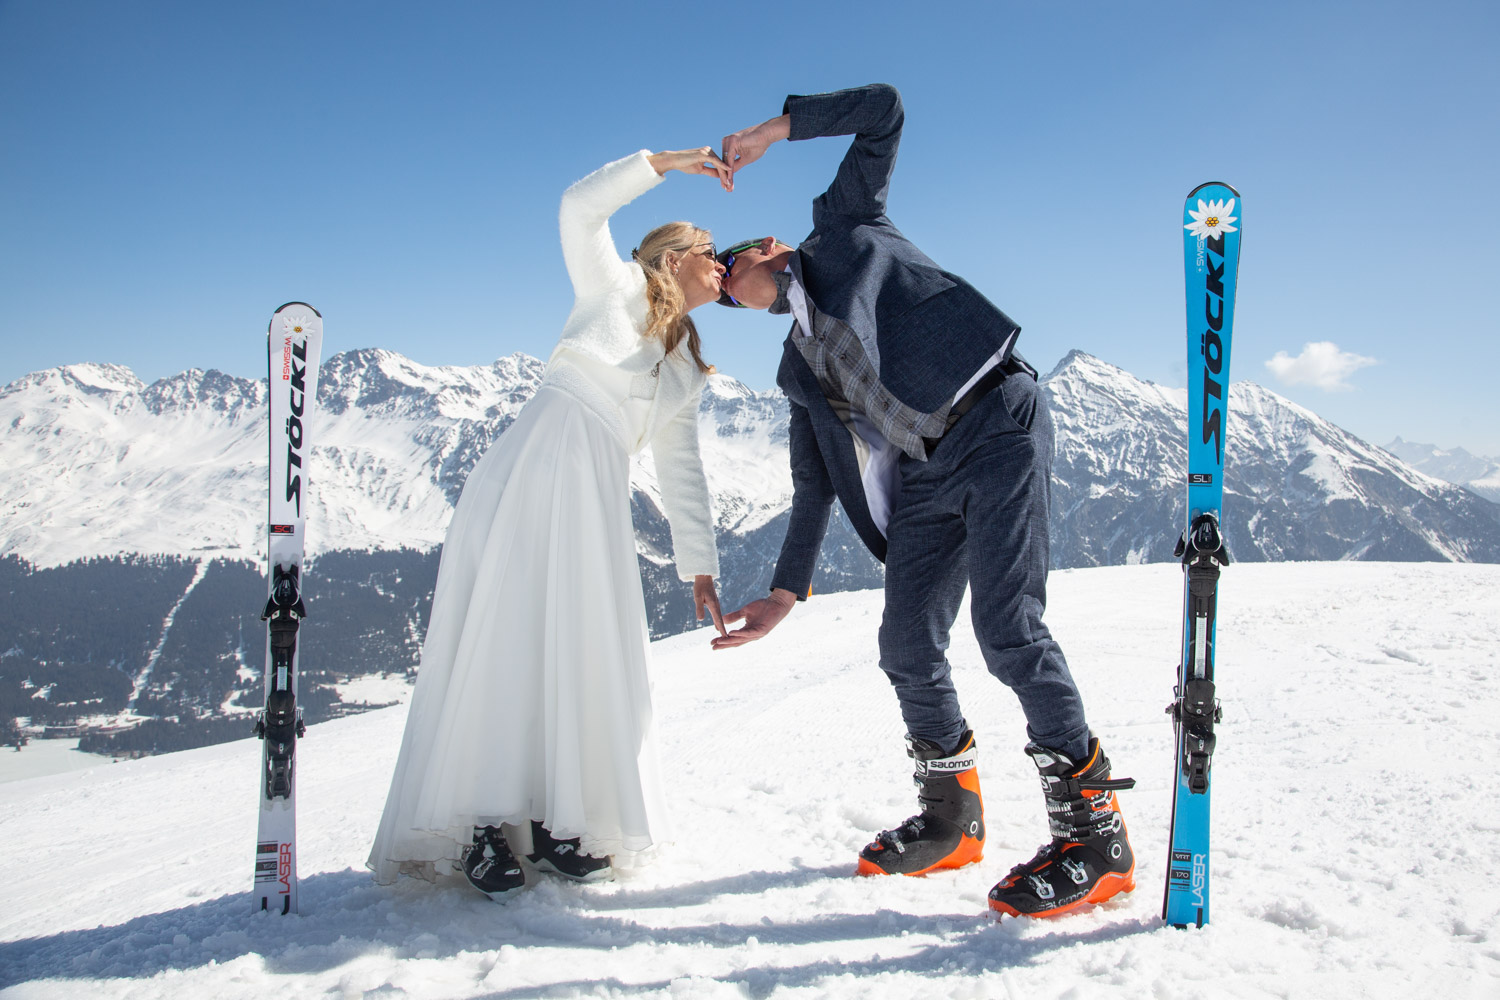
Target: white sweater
x,y
604,359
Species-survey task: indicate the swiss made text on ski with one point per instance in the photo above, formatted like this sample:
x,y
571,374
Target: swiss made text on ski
x,y
1211,244
295,339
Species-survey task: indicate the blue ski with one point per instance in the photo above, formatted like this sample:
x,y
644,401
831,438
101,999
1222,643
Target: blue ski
x,y
1211,257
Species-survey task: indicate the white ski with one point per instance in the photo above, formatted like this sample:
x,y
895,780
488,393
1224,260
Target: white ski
x,y
295,341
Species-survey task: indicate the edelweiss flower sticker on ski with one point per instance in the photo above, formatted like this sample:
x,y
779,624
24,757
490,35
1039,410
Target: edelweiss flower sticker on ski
x,y
1212,219
298,324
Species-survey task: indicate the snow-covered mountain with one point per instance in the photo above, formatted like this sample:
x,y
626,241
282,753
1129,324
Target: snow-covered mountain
x,y
167,481
100,463
1296,486
1479,473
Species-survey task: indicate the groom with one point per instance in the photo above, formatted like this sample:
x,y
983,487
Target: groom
x,y
910,405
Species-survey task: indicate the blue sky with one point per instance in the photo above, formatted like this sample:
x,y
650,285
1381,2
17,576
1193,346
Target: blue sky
x,y
172,172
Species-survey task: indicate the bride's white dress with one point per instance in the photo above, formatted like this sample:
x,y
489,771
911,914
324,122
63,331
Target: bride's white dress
x,y
532,700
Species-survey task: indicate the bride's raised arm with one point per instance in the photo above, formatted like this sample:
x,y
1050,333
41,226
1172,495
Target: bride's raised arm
x,y
593,261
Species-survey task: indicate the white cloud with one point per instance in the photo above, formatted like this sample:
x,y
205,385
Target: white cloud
x,y
1321,364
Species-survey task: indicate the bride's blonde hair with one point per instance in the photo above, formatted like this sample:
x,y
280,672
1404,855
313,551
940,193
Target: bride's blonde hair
x,y
666,318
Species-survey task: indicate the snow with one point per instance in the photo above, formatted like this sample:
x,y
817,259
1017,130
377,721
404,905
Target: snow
x,y
374,689
1356,827
42,757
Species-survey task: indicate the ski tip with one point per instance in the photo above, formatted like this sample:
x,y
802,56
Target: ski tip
x,y
1194,192
287,305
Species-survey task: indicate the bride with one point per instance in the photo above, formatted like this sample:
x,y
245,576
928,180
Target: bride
x,y
531,717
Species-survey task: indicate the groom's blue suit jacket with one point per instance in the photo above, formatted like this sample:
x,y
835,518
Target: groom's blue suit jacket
x,y
933,330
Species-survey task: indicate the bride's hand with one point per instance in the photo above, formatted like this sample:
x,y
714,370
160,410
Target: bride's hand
x,y
704,596
702,160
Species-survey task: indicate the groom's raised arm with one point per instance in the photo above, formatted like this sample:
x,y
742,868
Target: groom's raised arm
x,y
874,116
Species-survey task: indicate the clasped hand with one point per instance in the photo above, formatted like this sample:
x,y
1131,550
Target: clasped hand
x,y
702,160
740,148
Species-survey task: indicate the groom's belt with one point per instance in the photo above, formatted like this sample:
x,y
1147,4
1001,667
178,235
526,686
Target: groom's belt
x,y
1010,366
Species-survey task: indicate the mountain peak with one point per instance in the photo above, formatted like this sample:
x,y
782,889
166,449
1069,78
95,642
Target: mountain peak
x,y
1073,359
1454,465
93,378
727,387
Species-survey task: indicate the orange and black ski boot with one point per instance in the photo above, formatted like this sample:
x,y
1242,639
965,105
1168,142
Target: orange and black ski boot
x,y
949,831
1089,858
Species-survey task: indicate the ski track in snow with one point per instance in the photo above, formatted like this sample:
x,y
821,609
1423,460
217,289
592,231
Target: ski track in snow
x,y
144,677
1353,833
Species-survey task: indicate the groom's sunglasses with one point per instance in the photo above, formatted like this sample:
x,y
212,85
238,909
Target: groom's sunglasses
x,y
726,258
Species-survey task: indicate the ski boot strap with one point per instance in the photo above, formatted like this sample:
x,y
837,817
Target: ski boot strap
x,y
940,767
1076,820
1073,788
931,761
896,839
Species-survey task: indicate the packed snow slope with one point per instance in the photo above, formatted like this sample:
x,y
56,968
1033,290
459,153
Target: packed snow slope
x,y
1357,828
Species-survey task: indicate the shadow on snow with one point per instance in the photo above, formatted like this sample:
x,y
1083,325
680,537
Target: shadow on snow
x,y
346,916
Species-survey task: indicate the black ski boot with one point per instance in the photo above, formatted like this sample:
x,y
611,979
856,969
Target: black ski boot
x,y
490,866
566,857
949,831
1089,858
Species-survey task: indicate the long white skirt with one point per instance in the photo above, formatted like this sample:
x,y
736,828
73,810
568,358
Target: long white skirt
x,y
532,700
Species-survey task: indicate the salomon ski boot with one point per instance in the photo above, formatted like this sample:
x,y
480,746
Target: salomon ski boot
x,y
949,831
566,858
1089,858
490,866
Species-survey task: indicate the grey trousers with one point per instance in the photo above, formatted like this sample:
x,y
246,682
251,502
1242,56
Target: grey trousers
x,y
975,513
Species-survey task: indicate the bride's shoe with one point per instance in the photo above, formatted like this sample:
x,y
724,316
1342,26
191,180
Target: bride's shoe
x,y
565,858
490,866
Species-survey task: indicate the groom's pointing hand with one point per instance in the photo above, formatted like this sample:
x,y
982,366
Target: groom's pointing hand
x,y
760,617
748,144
